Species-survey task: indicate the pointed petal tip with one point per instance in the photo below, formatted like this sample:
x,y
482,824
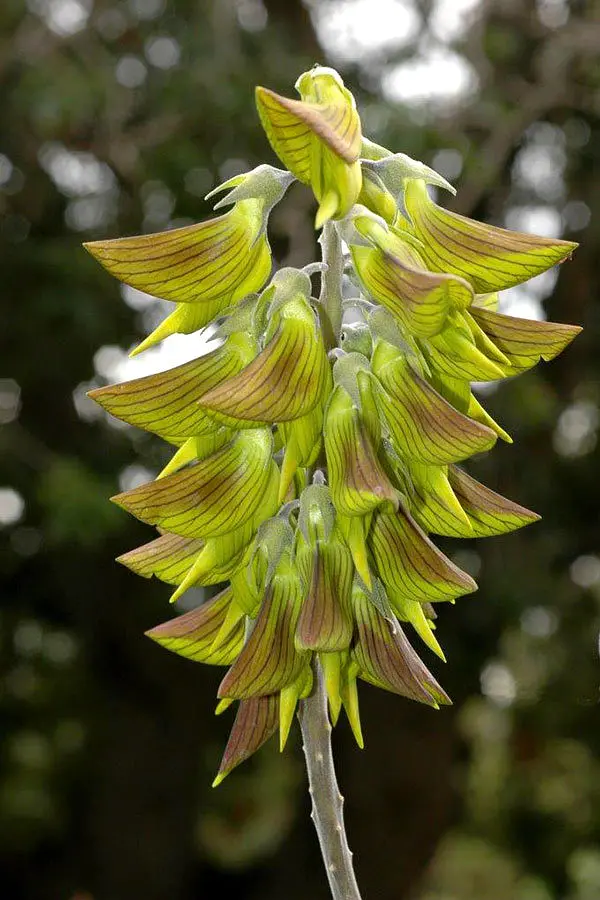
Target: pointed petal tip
x,y
219,779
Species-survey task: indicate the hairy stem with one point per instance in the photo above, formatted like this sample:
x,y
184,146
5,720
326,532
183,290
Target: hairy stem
x,y
331,283
327,802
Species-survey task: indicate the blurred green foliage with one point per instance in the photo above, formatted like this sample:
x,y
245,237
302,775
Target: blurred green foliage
x,y
118,116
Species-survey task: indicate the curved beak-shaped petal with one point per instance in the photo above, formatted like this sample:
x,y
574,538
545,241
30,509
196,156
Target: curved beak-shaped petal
x,y
167,403
325,621
358,481
386,659
167,557
524,341
255,722
409,563
193,634
284,382
488,512
215,496
490,258
269,661
424,426
393,274
318,138
194,264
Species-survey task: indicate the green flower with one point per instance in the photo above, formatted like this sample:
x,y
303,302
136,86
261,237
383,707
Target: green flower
x,y
311,477
318,138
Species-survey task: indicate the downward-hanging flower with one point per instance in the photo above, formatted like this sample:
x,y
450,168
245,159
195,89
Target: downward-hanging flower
x,y
311,477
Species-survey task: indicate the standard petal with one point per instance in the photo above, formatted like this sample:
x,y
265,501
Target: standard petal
x,y
386,659
525,341
193,633
420,300
489,513
424,426
284,382
168,557
269,660
213,497
255,722
193,264
325,621
357,480
408,562
490,258
167,403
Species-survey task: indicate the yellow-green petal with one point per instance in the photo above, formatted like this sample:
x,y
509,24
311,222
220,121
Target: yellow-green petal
x,y
408,562
192,634
167,403
255,722
211,498
490,258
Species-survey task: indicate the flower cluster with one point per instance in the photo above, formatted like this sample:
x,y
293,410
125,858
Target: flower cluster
x,y
313,461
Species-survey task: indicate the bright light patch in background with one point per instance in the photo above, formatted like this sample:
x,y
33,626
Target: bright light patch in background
x,y
6,169
450,18
539,622
113,364
147,9
543,220
448,162
163,52
438,75
63,17
585,571
252,15
553,13
352,30
136,299
75,173
540,164
134,475
498,683
130,71
12,506
10,400
576,430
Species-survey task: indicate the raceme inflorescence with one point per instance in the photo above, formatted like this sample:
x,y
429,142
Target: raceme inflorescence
x,y
318,439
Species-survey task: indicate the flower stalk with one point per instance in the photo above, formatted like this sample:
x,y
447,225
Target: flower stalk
x,y
327,801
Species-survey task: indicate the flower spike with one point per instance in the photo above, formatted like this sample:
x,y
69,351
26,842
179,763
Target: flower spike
x,y
315,445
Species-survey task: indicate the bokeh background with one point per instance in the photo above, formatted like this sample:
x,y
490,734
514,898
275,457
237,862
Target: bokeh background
x,y
117,116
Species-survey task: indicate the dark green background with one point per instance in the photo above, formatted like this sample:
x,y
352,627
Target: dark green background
x,y
108,743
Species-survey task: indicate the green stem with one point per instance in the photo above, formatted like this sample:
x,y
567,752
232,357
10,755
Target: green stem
x,y
327,802
330,297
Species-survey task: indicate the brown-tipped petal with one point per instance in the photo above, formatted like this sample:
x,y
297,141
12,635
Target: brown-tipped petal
x,y
408,562
489,513
490,258
212,498
282,383
192,634
386,659
424,425
292,127
421,300
325,621
525,341
269,660
196,263
255,722
168,557
357,479
167,404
